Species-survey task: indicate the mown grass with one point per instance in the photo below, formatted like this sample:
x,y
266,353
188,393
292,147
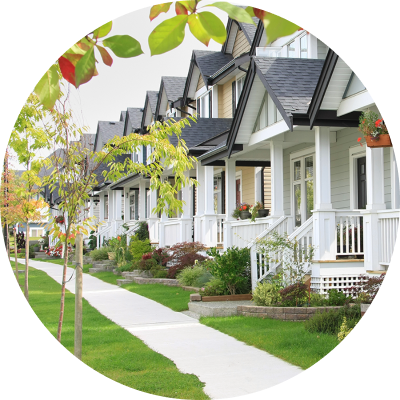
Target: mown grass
x,y
284,339
108,348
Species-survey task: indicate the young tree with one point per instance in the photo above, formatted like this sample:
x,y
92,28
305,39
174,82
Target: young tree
x,y
27,139
78,64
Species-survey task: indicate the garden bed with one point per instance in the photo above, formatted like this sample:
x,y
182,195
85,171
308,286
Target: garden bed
x,y
282,313
230,297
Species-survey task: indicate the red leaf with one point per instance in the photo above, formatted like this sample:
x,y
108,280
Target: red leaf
x,y
105,55
67,69
83,46
73,58
260,14
180,8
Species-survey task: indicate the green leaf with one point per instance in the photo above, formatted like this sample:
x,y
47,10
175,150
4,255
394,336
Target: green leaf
x,y
190,5
168,35
85,68
205,26
180,9
277,27
48,88
123,46
156,10
250,11
104,30
233,12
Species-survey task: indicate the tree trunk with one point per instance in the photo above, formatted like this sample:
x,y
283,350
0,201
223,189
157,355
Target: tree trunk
x,y
16,255
64,277
26,292
8,243
78,296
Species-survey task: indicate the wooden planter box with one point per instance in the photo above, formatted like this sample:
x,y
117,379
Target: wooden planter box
x,y
230,297
383,141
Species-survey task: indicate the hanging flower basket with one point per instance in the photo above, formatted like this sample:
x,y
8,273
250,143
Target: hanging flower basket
x,y
378,141
60,219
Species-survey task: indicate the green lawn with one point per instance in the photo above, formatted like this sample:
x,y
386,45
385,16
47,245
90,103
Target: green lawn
x,y
108,348
284,339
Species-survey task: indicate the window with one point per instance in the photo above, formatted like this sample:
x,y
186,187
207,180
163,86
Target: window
x,y
354,86
217,195
304,46
239,87
133,206
144,155
204,105
303,188
293,49
106,207
233,98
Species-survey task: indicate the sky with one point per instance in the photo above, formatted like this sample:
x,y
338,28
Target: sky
x,y
125,83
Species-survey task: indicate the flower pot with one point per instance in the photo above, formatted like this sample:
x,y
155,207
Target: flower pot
x,y
263,213
245,214
379,141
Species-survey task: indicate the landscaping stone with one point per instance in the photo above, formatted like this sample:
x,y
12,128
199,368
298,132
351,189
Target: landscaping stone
x,y
217,308
282,313
195,297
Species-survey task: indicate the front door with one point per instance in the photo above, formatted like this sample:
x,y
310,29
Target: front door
x,y
362,182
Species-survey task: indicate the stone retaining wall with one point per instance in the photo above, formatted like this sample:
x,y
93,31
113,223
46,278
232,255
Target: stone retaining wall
x,y
283,313
145,281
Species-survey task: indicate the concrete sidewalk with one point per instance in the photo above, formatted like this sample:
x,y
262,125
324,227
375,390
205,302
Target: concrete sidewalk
x,y
227,366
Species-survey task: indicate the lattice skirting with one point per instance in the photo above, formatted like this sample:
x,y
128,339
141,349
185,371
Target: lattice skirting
x,y
322,284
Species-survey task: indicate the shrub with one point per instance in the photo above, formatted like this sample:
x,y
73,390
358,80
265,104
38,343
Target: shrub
x,y
189,275
183,255
142,233
202,280
148,264
215,287
366,289
336,298
266,294
294,295
330,321
344,330
317,300
139,247
125,267
232,268
92,241
100,254
160,274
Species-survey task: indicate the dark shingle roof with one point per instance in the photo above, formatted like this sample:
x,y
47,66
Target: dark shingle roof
x,y
202,130
174,86
135,117
106,130
153,97
292,80
210,62
122,116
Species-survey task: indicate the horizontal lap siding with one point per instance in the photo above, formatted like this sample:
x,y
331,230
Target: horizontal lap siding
x,y
200,83
225,99
241,45
267,188
248,184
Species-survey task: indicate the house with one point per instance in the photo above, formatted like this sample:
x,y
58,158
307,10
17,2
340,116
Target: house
x,y
278,124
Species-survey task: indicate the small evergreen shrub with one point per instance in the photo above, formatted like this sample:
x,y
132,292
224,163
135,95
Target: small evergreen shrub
x,y
215,287
125,267
92,241
139,247
266,294
336,298
294,295
189,275
142,233
20,237
162,274
100,254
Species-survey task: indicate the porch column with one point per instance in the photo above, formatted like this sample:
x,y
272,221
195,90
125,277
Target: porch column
x,y
324,223
142,200
276,179
118,204
200,203
127,216
258,184
209,221
230,199
375,202
153,218
394,176
187,215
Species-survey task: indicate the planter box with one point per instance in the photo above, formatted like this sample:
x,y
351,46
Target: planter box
x,y
383,141
245,214
263,213
231,297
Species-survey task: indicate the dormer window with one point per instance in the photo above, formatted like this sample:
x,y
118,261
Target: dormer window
x,y
304,46
269,51
293,49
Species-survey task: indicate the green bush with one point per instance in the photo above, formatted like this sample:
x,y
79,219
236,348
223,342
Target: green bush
x,y
189,275
294,295
330,321
138,248
125,267
317,300
336,298
142,233
215,287
266,294
100,254
202,280
160,274
232,268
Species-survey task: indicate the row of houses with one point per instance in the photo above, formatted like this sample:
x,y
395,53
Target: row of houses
x,y
277,124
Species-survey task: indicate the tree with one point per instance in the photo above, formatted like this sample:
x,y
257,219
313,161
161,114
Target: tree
x,y
78,64
71,172
27,139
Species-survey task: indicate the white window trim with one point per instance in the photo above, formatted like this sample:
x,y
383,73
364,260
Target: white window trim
x,y
205,93
132,194
239,176
355,152
301,154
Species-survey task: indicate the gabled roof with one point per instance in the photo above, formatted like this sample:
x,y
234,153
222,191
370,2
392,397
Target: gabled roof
x,y
122,116
106,130
204,63
171,89
150,105
133,120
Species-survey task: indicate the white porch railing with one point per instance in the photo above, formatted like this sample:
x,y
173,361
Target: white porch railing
x,y
171,231
244,231
388,227
349,232
103,234
220,229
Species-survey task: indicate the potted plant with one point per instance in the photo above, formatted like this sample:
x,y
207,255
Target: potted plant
x,y
260,211
374,130
242,211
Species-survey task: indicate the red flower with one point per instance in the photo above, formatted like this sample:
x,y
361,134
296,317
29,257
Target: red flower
x,y
244,208
378,122
119,237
